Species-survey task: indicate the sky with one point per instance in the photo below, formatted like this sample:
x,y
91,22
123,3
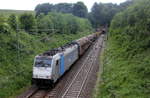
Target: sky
x,y
31,4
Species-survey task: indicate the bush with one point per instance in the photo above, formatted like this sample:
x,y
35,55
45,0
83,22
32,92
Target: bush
x,y
27,22
12,21
62,23
4,28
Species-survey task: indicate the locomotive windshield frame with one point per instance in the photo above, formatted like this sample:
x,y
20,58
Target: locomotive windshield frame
x,y
43,62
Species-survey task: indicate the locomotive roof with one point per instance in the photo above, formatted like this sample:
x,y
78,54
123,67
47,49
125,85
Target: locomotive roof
x,y
57,50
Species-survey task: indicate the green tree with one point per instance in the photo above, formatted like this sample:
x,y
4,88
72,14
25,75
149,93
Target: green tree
x,y
44,23
96,15
72,25
43,8
12,21
77,9
80,10
62,23
3,19
64,7
124,5
102,14
27,22
4,28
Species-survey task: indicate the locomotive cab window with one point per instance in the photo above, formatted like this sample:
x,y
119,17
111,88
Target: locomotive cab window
x,y
43,62
57,62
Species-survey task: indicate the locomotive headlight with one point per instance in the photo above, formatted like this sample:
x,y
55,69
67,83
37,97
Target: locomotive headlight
x,y
35,76
48,77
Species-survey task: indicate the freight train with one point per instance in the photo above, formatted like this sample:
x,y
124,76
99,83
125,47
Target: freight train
x,y
49,66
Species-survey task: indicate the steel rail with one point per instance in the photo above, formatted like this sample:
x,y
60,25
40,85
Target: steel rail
x,y
83,65
91,67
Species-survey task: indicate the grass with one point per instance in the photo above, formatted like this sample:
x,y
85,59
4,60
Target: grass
x,y
16,66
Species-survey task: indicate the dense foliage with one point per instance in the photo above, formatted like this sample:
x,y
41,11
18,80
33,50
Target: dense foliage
x,y
127,60
12,21
27,22
77,9
50,23
62,23
102,13
80,10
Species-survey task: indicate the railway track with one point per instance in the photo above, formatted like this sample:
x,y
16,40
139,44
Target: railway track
x,y
77,84
86,91
74,82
